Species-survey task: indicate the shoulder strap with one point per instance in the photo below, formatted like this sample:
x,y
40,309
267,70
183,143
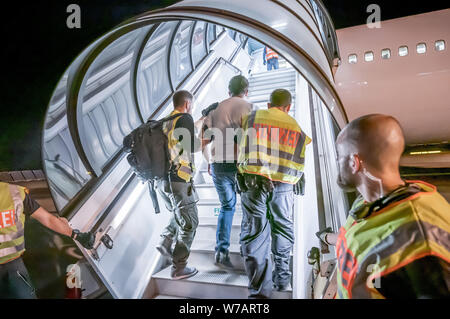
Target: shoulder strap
x,y
165,119
364,210
172,117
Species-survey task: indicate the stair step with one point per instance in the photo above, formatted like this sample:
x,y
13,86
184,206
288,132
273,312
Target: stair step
x,y
203,259
262,99
273,73
212,220
207,193
205,185
208,232
208,202
267,91
212,208
200,245
270,84
212,284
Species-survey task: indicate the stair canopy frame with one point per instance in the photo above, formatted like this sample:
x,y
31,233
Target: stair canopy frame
x,y
312,60
289,26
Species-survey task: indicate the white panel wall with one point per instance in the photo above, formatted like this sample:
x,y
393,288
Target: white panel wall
x,y
306,216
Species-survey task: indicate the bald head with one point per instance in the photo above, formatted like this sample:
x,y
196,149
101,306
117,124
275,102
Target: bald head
x,y
378,140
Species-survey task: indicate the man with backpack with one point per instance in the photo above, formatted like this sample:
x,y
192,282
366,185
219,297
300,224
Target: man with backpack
x,y
177,189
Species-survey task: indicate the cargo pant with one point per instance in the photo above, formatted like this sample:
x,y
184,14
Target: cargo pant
x,y
184,221
267,225
15,281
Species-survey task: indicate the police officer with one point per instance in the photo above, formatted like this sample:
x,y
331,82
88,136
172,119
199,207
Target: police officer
x,y
177,189
15,206
271,161
396,241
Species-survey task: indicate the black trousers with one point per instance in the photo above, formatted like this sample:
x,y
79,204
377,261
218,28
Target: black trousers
x,y
15,282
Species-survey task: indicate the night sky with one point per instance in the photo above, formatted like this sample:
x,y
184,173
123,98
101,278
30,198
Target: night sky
x,y
37,47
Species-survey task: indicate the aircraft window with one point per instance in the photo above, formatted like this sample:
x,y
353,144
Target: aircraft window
x,y
440,45
421,48
386,54
352,58
368,56
403,51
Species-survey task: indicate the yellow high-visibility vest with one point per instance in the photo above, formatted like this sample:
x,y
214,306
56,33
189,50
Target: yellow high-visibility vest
x,y
181,159
373,245
273,146
12,222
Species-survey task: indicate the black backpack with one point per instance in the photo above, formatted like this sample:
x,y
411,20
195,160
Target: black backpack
x,y
148,151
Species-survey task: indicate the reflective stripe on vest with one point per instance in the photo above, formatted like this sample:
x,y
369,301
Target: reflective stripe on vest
x,y
12,222
273,146
389,239
270,54
182,160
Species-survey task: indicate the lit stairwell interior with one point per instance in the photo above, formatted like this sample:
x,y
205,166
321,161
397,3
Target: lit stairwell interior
x,y
212,281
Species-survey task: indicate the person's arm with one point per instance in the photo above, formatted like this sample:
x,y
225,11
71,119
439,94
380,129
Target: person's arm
x,y
205,150
191,144
58,224
264,56
206,140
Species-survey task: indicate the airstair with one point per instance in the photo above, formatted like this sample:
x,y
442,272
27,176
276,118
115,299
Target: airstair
x,y
128,76
212,281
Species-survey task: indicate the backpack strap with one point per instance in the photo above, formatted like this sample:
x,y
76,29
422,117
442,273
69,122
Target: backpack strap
x,y
165,119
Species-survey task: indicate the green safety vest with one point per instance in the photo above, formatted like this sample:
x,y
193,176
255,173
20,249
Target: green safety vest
x,y
12,222
182,160
273,145
373,244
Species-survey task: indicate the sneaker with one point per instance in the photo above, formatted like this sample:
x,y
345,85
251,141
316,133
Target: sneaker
x,y
165,247
183,273
222,260
283,287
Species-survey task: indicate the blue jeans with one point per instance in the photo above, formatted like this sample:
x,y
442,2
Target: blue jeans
x,y
272,63
223,175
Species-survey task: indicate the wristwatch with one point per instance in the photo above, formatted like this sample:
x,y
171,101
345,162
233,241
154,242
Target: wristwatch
x,y
74,232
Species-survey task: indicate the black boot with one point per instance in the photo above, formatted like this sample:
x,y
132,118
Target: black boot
x,y
222,260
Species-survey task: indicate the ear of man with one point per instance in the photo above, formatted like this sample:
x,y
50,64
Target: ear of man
x,y
355,163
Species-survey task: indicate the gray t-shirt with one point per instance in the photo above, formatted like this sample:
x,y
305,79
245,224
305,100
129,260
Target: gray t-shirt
x,y
221,124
